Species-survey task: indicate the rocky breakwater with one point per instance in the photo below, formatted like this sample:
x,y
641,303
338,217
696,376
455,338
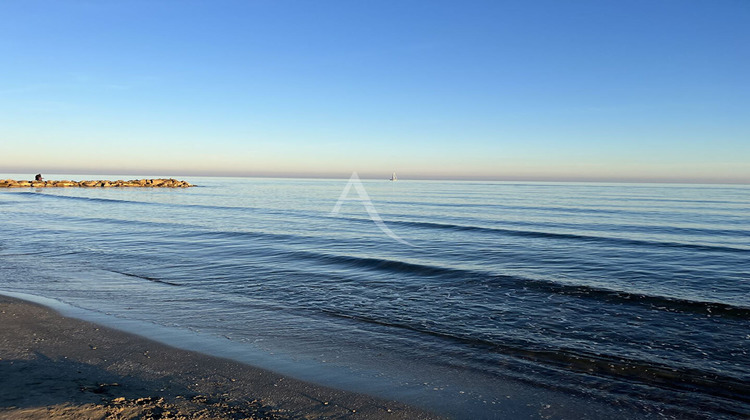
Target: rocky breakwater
x,y
142,183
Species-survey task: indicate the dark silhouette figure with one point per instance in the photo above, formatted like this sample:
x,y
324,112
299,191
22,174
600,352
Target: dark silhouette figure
x,y
39,177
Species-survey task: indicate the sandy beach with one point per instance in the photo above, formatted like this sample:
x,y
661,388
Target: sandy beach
x,y
57,367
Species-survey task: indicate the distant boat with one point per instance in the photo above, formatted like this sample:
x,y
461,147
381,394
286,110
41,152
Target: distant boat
x,y
393,177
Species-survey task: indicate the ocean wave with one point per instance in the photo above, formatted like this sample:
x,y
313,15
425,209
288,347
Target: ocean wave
x,y
636,228
658,302
572,236
601,209
48,195
567,359
79,198
465,276
456,274
139,276
483,229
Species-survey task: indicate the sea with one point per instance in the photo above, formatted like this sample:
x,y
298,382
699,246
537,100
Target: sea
x,y
475,300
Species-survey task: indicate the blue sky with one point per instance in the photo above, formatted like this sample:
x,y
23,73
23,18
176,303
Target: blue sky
x,y
653,90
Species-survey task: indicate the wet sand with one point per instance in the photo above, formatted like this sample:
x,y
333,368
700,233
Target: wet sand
x,y
57,367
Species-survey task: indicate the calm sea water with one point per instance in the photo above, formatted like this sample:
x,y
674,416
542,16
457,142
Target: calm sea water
x,y
529,300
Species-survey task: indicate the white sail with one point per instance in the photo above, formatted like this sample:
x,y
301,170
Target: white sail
x,y
393,177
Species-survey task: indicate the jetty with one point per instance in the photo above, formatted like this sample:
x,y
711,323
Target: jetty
x,y
133,183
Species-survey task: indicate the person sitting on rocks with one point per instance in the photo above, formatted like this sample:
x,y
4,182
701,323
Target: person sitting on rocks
x,y
39,177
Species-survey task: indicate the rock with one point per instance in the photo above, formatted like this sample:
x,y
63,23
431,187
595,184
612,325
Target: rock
x,y
153,183
9,183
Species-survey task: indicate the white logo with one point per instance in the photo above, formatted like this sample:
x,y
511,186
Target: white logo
x,y
365,199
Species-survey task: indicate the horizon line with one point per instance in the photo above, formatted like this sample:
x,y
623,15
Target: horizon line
x,y
416,177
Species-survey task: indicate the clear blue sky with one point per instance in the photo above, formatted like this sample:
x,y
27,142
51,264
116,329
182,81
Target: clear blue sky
x,y
539,90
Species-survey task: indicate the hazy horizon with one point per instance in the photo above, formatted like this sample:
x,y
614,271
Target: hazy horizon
x,y
590,91
372,176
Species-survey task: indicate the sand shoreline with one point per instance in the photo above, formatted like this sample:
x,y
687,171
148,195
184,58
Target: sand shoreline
x,y
58,367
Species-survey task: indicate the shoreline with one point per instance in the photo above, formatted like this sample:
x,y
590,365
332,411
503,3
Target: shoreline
x,y
55,366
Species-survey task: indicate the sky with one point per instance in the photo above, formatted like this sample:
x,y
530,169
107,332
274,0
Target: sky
x,y
539,90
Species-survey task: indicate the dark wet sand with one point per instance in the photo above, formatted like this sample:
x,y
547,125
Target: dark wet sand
x,y
57,367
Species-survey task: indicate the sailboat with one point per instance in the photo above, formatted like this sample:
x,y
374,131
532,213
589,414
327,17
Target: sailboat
x,y
393,177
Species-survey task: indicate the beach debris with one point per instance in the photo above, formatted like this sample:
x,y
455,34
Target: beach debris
x,y
147,400
200,399
133,183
